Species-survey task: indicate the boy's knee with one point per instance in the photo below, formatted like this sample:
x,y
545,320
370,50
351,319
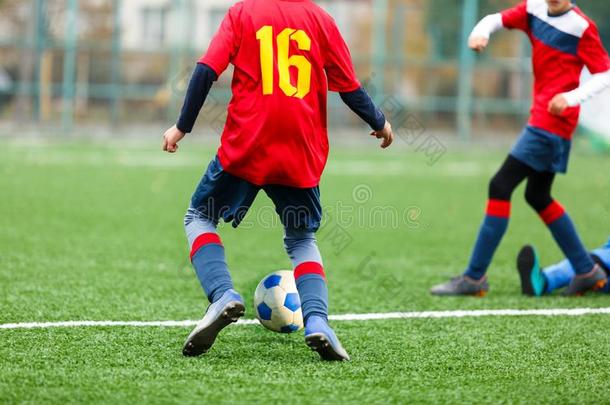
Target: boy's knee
x,y
196,224
301,246
538,200
499,189
296,237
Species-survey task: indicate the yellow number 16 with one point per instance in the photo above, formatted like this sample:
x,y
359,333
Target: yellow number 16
x,y
285,61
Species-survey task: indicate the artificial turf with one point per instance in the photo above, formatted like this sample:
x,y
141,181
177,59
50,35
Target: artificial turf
x,y
93,231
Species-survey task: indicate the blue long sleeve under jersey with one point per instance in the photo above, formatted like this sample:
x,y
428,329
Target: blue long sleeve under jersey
x,y
203,77
198,89
361,103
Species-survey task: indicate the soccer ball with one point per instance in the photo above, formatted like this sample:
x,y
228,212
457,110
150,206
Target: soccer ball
x,y
277,303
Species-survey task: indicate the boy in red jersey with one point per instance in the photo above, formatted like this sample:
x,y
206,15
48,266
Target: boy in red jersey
x,y
287,54
564,40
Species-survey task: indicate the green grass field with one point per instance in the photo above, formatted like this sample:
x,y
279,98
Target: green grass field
x,y
94,232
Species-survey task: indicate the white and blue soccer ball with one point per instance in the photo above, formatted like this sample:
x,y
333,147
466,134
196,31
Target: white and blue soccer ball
x,y
277,303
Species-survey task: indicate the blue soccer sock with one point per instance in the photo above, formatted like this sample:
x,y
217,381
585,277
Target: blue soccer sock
x,y
492,230
208,258
311,285
567,238
558,276
308,273
207,255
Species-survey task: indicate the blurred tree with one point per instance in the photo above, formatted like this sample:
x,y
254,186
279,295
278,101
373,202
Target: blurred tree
x,y
600,12
444,27
444,22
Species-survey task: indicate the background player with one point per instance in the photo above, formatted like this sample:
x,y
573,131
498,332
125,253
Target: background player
x,y
536,281
564,40
287,55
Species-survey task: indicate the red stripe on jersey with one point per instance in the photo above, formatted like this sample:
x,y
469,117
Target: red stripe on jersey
x,y
498,208
552,213
203,240
309,268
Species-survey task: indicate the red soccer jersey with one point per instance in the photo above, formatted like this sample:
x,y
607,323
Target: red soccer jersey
x,y
287,54
562,46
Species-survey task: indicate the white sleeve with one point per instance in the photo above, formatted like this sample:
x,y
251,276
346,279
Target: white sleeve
x,y
488,26
598,83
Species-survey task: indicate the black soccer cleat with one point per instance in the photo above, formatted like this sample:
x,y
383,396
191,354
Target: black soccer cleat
x,y
530,273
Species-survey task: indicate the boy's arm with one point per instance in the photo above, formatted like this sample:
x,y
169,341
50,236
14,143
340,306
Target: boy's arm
x,y
220,53
592,53
479,37
199,86
361,103
598,83
512,18
342,78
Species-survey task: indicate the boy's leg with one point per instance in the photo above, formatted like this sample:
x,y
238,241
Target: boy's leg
x,y
309,274
538,281
558,276
589,276
501,188
207,255
218,195
301,212
494,226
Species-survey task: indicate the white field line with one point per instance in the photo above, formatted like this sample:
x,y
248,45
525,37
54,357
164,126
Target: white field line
x,y
346,317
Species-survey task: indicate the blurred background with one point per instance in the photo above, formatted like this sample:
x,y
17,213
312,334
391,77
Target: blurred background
x,y
87,67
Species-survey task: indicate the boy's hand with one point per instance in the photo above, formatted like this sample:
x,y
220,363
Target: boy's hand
x,y
171,137
478,43
558,104
385,134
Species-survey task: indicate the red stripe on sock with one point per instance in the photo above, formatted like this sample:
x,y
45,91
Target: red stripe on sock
x,y
309,268
203,240
498,208
552,213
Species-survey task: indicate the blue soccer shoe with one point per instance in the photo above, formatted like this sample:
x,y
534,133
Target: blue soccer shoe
x,y
228,309
532,280
320,337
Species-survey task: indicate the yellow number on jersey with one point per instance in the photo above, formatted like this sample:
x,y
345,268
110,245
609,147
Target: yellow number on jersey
x,y
265,36
285,61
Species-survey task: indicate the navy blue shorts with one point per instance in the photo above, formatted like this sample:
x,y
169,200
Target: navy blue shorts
x,y
542,150
222,195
